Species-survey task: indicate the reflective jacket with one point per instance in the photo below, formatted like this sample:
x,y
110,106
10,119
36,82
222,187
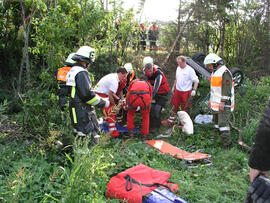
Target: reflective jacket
x,y
218,89
159,81
80,83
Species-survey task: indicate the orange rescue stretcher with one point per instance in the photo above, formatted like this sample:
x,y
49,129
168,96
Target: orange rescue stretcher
x,y
167,148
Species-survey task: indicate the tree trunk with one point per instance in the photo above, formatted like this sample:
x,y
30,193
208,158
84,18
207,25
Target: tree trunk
x,y
25,57
178,25
176,39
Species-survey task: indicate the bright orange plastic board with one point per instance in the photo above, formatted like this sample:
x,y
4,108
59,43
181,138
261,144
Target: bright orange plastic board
x,y
167,148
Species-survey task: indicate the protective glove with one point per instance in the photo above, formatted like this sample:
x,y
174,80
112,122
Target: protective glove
x,y
193,93
138,108
107,102
123,100
259,190
104,102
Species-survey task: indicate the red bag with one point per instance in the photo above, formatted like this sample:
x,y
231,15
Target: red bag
x,y
137,181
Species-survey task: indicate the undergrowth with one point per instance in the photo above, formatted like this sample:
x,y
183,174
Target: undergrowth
x,y
38,171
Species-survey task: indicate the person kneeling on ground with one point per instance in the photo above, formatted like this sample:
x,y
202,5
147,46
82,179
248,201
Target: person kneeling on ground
x,y
139,97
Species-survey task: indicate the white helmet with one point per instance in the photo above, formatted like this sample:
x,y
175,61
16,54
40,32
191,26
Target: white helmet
x,y
148,60
85,53
212,59
128,67
69,61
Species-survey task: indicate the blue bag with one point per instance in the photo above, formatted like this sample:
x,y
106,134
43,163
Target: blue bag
x,y
162,195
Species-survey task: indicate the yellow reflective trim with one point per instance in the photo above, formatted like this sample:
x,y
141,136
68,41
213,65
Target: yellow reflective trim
x,y
92,100
74,115
73,90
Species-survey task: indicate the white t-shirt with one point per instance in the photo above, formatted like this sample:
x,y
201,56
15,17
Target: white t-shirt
x,y
107,83
185,77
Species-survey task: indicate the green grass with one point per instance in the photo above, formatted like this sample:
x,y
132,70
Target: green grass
x,y
38,172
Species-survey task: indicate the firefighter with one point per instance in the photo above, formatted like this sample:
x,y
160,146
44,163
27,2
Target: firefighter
x,y
161,90
139,97
142,37
64,90
107,88
153,33
82,98
221,96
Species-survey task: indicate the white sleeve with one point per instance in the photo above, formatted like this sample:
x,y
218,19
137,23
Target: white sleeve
x,y
193,76
113,86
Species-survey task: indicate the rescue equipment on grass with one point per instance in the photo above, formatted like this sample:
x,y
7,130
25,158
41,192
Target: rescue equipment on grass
x,y
132,184
167,148
121,129
162,195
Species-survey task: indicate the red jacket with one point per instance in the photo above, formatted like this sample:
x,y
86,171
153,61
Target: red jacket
x,y
163,86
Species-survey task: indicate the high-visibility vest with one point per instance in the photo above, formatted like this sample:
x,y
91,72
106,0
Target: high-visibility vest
x,y
62,73
216,89
153,28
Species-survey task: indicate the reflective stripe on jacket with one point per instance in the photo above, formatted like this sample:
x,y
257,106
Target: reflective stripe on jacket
x,y
216,90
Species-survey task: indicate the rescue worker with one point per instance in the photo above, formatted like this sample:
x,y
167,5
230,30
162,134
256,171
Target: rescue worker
x,y
82,98
221,96
139,97
130,76
182,88
64,90
153,33
161,90
118,34
259,162
107,88
142,37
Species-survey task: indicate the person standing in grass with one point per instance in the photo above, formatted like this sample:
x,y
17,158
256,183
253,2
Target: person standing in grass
x,y
82,98
182,88
221,96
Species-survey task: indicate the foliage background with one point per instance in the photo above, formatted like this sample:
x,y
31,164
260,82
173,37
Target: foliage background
x,y
33,169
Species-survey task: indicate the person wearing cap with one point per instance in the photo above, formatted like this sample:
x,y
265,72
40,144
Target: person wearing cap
x,y
161,90
182,88
64,90
82,98
221,96
107,87
130,76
